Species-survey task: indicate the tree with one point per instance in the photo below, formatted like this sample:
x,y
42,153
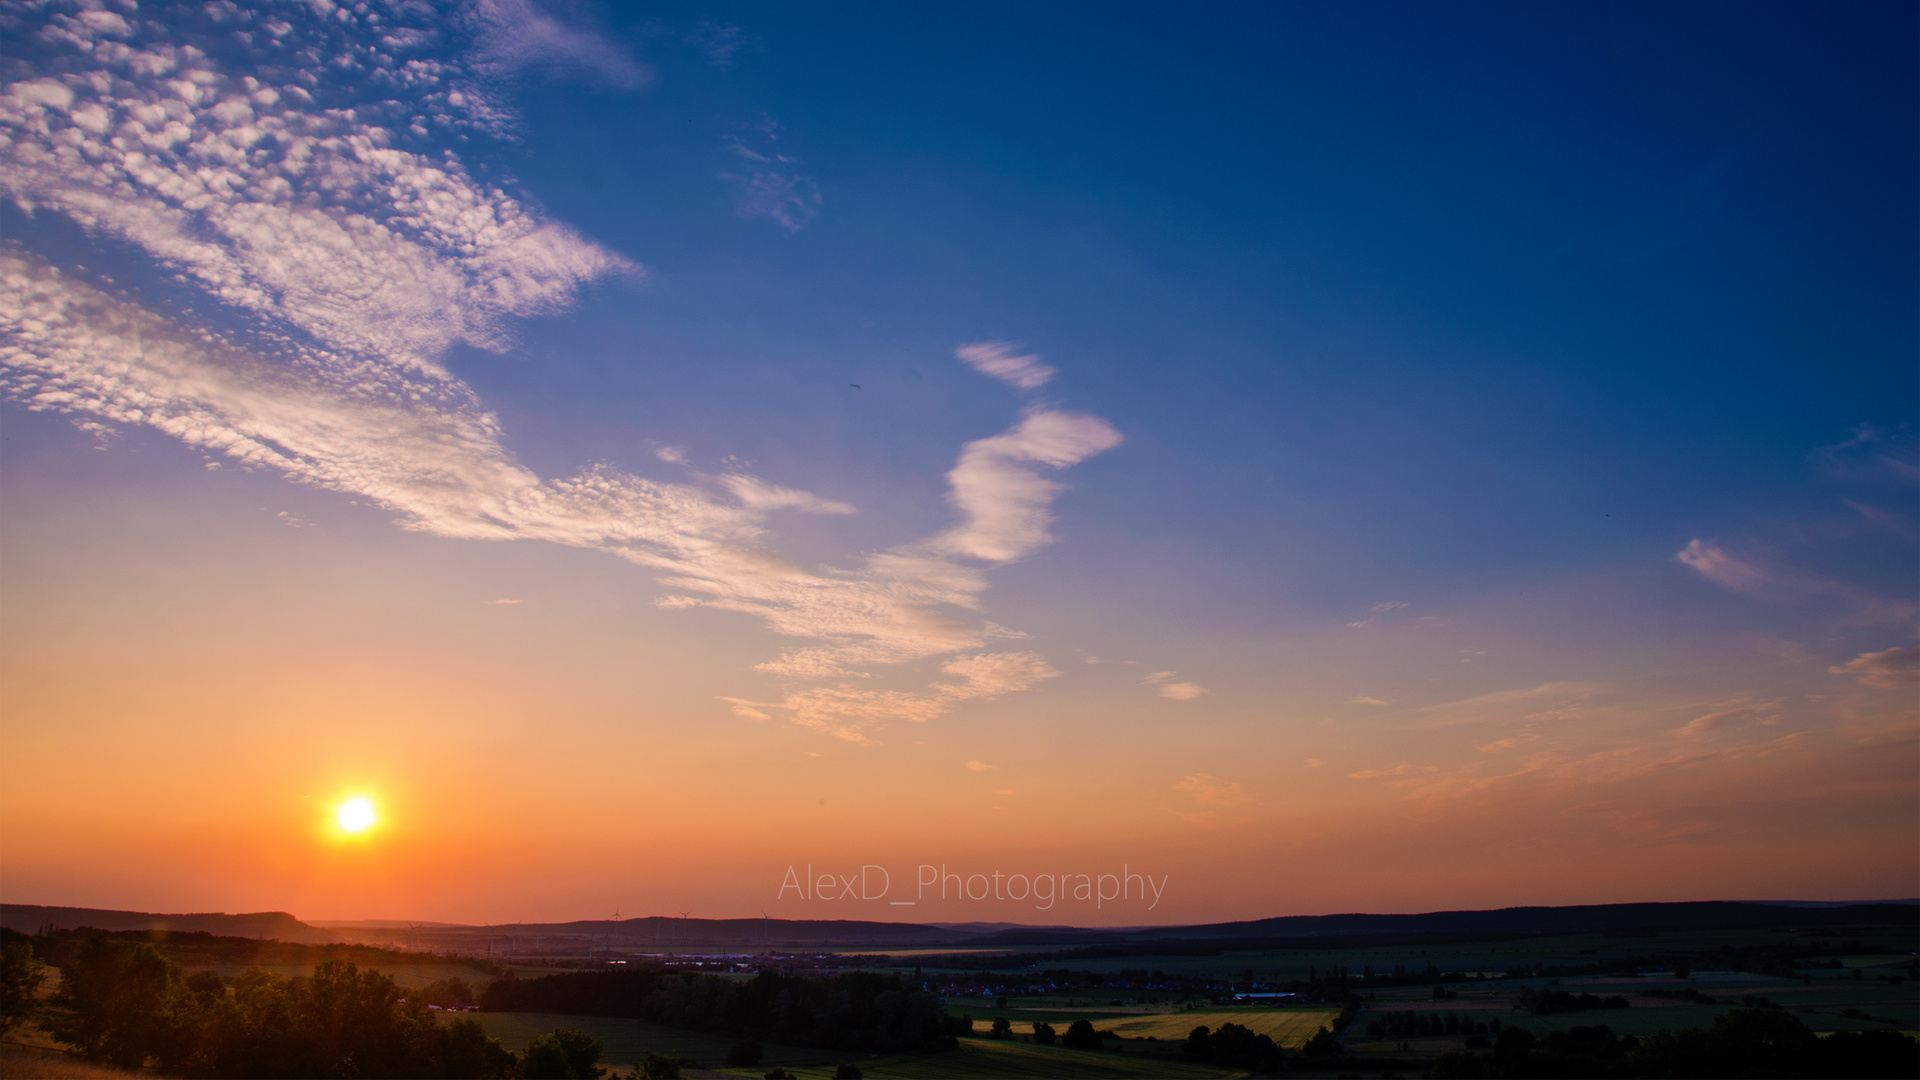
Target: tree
x,y
566,1054
847,1070
1081,1036
746,1053
660,1067
1043,1033
466,1050
20,979
1001,1029
116,1002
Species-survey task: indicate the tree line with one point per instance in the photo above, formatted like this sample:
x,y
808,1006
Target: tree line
x,y
123,1003
858,1011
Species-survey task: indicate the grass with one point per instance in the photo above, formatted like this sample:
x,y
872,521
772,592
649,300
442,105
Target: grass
x,y
33,1063
1287,1027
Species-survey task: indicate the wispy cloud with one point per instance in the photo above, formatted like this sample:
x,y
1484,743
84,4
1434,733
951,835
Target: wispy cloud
x,y
770,188
1888,669
1364,699
1547,701
1176,691
1002,497
1788,584
1721,568
1003,361
979,766
1209,790
354,263
989,675
511,35
1764,713
720,42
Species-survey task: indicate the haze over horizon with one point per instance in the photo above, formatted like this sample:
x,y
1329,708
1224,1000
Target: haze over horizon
x,y
1315,458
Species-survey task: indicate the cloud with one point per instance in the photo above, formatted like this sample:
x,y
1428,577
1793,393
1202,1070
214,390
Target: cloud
x,y
998,359
1385,606
989,675
979,766
672,455
757,493
1547,701
851,712
502,601
1177,691
1365,700
785,198
1889,669
1401,769
1209,790
312,216
1721,568
1863,607
1003,500
1764,713
515,34
719,43
344,257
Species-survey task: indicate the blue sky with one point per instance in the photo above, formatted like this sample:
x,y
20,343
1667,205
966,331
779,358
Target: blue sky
x,y
1383,360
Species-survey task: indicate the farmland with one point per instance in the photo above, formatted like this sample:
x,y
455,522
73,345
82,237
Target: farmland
x,y
1288,1027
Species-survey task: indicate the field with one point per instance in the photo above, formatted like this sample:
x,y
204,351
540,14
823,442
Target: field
x,y
989,1059
630,1041
1287,1027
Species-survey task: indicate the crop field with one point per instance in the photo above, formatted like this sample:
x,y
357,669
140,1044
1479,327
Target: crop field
x,y
1287,1027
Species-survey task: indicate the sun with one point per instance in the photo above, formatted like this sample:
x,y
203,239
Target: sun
x,y
356,815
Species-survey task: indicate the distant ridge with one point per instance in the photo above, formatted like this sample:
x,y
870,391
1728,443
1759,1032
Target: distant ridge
x,y
27,918
656,934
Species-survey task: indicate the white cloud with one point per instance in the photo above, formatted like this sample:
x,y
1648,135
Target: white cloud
x,y
1177,691
515,34
499,602
979,766
292,196
1385,606
1888,669
1721,568
298,213
1001,360
1210,790
989,675
1004,501
1365,700
672,455
757,493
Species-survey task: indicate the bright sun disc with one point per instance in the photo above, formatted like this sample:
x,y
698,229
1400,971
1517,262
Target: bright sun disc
x,y
356,815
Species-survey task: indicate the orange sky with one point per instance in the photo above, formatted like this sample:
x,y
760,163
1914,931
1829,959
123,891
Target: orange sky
x,y
191,687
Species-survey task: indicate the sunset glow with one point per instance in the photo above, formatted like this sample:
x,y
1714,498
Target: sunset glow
x,y
501,462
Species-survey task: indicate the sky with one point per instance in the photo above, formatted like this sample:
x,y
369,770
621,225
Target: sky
x,y
740,459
